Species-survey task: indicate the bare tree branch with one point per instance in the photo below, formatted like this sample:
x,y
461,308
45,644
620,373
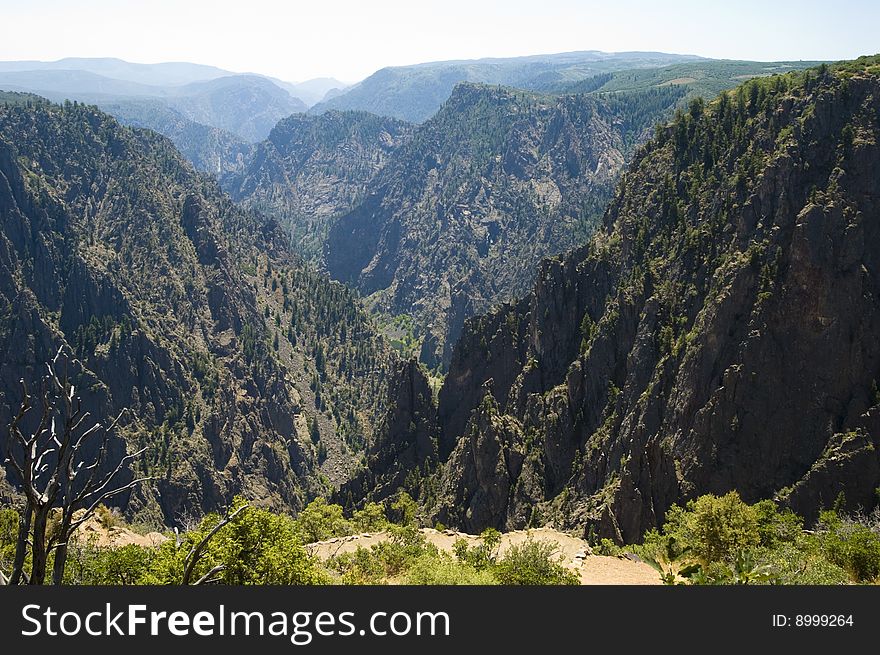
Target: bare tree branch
x,y
209,576
53,474
193,557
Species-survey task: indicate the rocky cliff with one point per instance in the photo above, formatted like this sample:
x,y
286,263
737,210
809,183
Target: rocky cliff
x,y
405,446
721,331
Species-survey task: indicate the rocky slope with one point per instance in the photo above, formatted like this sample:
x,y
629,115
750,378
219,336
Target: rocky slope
x,y
722,330
244,371
313,168
459,218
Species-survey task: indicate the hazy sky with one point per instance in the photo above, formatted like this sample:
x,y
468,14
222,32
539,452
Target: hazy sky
x,y
351,39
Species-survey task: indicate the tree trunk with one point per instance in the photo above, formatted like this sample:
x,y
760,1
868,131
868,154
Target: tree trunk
x,y
24,528
39,554
61,550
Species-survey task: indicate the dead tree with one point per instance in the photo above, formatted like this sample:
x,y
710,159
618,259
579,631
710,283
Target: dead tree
x,y
195,554
56,474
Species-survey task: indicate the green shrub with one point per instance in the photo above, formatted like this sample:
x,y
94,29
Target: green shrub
x,y
319,521
257,548
91,565
481,556
804,562
852,546
386,559
533,563
776,526
714,528
441,569
607,547
360,567
370,519
405,509
8,537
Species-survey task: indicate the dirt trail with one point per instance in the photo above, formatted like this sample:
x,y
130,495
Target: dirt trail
x,y
592,569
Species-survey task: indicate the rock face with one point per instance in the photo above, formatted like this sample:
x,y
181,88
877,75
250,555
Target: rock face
x,y
176,305
722,331
313,168
459,218
406,441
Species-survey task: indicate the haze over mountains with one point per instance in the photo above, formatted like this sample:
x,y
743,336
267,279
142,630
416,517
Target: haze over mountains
x,y
574,288
414,93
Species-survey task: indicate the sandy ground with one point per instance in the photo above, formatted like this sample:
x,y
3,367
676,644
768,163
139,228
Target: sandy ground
x,y
94,533
593,569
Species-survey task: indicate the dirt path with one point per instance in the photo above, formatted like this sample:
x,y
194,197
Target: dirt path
x,y
593,569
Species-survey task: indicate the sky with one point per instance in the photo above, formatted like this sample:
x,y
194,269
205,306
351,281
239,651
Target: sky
x,y
349,39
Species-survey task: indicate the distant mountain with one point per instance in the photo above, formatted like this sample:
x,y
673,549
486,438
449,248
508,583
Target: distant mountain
x,y
313,91
247,106
705,77
163,74
73,84
311,169
245,372
414,93
460,216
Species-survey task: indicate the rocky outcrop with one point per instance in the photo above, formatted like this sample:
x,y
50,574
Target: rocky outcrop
x,y
405,447
483,471
312,169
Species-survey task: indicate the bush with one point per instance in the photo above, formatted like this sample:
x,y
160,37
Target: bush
x,y
776,526
370,519
482,556
405,509
256,548
852,546
360,567
8,537
387,559
441,569
320,521
607,547
533,563
714,528
804,562
126,565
